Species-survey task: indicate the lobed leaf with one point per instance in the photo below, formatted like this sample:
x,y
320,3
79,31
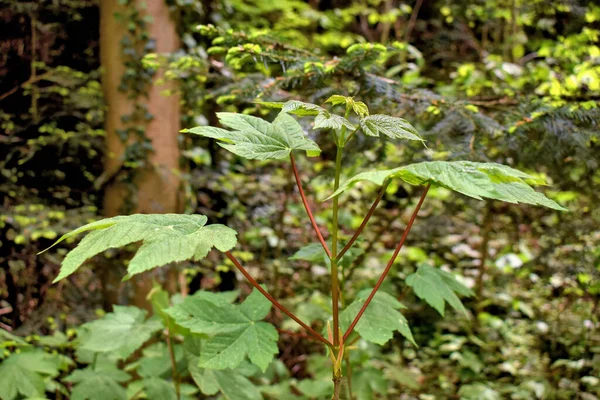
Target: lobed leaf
x,y
380,320
98,383
437,288
358,107
256,139
166,238
121,332
323,118
473,179
24,373
392,127
234,331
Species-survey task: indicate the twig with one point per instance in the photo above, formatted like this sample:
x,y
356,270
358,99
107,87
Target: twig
x,y
365,220
253,282
412,21
307,207
389,265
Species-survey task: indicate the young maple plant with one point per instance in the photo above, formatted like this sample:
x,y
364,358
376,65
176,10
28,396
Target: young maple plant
x,y
230,333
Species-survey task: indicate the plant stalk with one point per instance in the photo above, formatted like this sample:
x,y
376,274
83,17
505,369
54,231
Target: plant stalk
x,y
335,284
174,374
365,220
307,207
389,265
255,284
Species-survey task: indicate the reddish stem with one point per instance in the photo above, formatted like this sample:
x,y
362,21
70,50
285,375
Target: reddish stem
x,y
253,282
307,207
389,265
365,221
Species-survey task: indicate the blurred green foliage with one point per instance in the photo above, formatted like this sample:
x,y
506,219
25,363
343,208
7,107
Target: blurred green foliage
x,y
513,82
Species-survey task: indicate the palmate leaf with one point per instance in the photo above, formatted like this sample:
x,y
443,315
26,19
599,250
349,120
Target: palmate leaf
x,y
234,330
323,118
121,332
437,288
358,107
256,139
24,373
473,179
166,238
101,382
380,320
392,127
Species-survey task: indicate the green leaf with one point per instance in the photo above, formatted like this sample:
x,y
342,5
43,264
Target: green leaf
x,y
368,383
358,107
437,288
166,238
392,127
234,330
121,332
24,373
323,118
473,179
232,383
380,320
159,389
99,383
256,139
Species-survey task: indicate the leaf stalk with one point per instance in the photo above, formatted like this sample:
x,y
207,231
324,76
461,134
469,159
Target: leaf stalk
x,y
389,265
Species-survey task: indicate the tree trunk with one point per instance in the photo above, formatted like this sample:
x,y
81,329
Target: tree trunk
x,y
155,187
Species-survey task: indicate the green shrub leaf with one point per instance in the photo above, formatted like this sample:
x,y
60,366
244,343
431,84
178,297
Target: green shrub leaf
x,y
437,288
121,332
473,179
392,127
380,320
323,118
166,238
234,330
25,373
98,383
256,139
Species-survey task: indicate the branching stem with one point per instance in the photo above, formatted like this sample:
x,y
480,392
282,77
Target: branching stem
x,y
365,220
389,265
307,207
255,284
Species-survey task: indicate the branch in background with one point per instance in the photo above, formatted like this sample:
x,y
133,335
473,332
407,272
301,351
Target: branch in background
x,y
389,265
253,282
307,207
413,20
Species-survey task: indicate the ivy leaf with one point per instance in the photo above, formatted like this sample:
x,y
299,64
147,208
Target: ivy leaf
x,y
24,373
392,127
323,118
235,330
256,139
437,288
166,238
99,383
122,331
473,179
380,320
